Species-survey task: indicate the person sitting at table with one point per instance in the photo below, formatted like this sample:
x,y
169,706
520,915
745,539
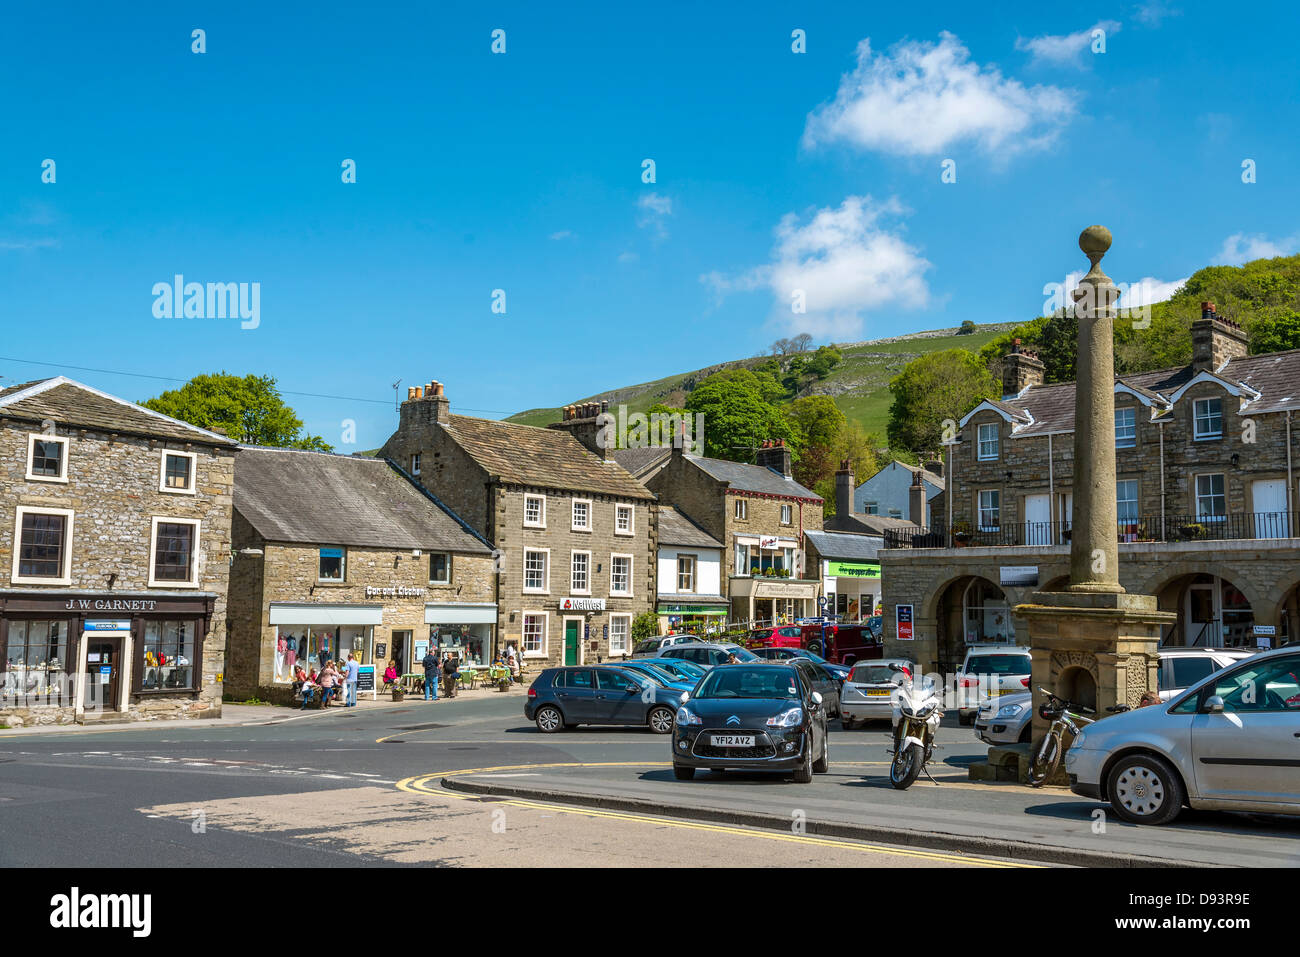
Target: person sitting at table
x,y
390,676
299,679
309,689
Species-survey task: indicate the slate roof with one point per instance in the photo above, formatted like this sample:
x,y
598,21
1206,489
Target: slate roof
x,y
543,458
675,528
864,524
934,479
320,498
1274,375
753,478
71,403
641,461
846,546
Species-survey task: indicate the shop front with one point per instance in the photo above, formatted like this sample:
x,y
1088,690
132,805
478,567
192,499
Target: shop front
x,y
695,618
464,630
76,656
310,634
852,588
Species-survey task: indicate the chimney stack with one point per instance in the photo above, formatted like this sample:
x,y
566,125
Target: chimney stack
x,y
592,424
844,488
775,456
916,500
1021,368
1216,339
424,404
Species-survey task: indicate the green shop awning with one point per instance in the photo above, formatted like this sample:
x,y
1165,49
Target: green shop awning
x,y
673,609
854,569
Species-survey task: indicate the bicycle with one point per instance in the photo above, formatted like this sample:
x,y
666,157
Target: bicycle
x,y
1047,758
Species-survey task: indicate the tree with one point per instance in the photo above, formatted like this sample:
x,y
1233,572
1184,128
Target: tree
x,y
823,361
801,342
249,409
819,423
738,413
1275,333
932,388
645,625
967,327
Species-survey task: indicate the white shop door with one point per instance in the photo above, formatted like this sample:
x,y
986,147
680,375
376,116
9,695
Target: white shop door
x,y
1269,499
1038,520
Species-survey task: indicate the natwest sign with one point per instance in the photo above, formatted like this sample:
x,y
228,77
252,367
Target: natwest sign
x,y
582,604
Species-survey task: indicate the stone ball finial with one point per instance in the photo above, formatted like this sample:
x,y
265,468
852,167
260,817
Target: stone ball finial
x,y
1094,241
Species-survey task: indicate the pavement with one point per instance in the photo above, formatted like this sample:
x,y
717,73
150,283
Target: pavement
x,y
470,782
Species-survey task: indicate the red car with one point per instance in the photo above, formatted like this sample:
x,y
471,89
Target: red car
x,y
838,644
776,636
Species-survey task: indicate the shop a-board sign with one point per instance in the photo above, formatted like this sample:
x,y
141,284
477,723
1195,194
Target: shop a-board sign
x,y
381,649
366,679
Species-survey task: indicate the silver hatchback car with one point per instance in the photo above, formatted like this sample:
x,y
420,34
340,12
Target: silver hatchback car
x,y
868,692
1230,742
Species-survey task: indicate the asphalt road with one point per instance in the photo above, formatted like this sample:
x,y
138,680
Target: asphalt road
x,y
365,786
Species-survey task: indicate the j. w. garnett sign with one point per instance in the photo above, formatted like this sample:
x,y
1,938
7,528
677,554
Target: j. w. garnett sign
x,y
111,604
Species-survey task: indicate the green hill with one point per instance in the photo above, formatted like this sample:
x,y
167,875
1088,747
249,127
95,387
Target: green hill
x,y
859,385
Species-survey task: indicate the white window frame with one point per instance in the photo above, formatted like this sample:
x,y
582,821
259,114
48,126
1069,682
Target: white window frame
x,y
631,566
541,511
573,523
573,588
343,566
695,565
1128,441
1136,500
1196,492
1197,434
415,463
66,577
627,636
742,509
631,518
742,561
980,509
523,632
787,514
981,441
435,581
546,572
194,472
63,440
194,557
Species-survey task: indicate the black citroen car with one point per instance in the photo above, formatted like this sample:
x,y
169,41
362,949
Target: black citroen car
x,y
758,716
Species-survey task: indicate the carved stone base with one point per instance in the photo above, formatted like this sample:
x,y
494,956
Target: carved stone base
x,y
1096,649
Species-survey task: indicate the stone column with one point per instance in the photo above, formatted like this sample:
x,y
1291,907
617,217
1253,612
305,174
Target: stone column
x,y
1094,550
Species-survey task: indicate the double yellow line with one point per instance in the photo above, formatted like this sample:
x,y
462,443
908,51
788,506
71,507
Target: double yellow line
x,y
427,784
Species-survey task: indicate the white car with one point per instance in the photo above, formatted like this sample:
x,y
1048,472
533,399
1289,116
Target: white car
x,y
990,671
1231,742
652,646
868,692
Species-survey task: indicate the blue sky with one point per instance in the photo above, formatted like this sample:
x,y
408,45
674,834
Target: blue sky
x,y
775,171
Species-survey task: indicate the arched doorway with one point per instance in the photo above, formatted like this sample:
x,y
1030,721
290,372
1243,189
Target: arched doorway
x,y
1212,613
970,610
1077,684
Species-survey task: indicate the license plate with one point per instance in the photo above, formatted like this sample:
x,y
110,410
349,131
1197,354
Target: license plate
x,y
877,694
733,740
998,691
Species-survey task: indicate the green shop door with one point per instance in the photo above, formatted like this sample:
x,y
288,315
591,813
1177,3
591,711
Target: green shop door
x,y
572,634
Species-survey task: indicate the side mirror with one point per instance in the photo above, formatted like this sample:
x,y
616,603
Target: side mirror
x,y
686,696
1213,705
817,697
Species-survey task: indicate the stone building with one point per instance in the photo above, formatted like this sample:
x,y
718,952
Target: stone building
x,y
889,491
576,535
690,576
849,566
1205,488
338,555
116,546
758,512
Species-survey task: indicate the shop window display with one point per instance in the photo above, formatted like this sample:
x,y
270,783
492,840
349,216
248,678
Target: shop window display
x,y
472,644
36,663
311,646
168,655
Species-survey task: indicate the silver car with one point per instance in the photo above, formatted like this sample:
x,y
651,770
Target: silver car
x,y
706,654
1230,742
868,692
1005,720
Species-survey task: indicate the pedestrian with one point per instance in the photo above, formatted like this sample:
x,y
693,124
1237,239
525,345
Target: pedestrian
x,y
512,662
450,671
432,670
351,676
328,681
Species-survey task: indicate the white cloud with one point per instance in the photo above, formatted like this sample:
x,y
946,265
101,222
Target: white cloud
x,y
628,257
843,261
653,211
1065,49
12,244
563,234
1240,248
1153,13
921,98
1149,290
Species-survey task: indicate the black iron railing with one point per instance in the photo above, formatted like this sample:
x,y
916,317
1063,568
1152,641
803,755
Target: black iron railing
x,y
1145,528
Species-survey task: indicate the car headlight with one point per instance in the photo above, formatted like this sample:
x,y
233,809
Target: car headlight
x,y
687,717
1078,740
787,719
1010,711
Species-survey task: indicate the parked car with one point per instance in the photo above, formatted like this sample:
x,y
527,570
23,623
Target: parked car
x,y
775,636
851,643
560,698
823,682
755,716
649,646
788,654
990,671
679,668
706,654
1231,742
868,693
1009,718
644,666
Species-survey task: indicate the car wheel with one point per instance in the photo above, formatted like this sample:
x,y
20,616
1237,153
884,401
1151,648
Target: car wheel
x,y
804,773
660,720
823,764
1145,789
549,720
965,720
1027,735
683,774
846,723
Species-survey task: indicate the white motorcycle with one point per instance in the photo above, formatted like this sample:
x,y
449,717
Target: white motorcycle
x,y
917,713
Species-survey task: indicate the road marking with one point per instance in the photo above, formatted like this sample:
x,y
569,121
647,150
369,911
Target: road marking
x,y
418,784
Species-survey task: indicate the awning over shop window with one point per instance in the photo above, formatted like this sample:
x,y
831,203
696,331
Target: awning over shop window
x,y
311,613
453,613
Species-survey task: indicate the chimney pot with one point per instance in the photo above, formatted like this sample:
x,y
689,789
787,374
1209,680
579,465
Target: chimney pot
x,y
419,392
437,389
410,393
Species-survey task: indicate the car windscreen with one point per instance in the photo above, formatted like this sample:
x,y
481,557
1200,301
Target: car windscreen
x,y
680,669
659,675
650,644
742,681
872,675
998,665
744,654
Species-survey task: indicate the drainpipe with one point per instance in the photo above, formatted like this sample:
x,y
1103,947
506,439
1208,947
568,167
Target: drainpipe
x,y
1051,487
948,488
1163,537
1290,480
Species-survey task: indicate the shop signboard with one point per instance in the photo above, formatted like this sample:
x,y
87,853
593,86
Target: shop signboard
x,y
855,569
366,679
582,604
903,615
108,625
1021,576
